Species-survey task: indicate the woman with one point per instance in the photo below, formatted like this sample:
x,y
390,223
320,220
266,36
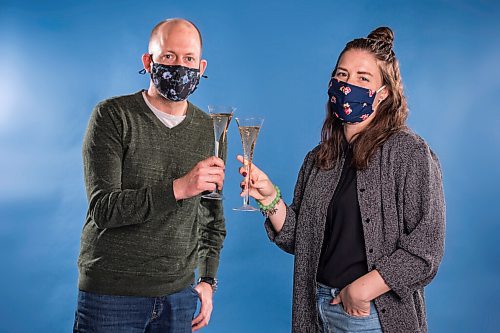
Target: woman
x,y
367,220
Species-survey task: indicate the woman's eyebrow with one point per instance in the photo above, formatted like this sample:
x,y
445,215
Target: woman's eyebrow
x,y
365,73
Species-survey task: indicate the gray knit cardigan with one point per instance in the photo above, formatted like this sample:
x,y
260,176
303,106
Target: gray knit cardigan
x,y
403,214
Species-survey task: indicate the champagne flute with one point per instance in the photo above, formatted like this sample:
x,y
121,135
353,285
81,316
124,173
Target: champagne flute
x,y
221,116
249,130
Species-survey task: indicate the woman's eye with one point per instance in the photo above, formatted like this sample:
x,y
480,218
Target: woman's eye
x,y
364,79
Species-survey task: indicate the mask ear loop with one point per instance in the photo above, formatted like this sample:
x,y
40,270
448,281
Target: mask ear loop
x,y
203,76
380,89
143,71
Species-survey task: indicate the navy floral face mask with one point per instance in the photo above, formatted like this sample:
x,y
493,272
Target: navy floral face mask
x,y
350,103
174,82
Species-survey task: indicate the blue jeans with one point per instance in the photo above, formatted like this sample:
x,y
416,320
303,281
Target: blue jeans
x,y
333,318
129,314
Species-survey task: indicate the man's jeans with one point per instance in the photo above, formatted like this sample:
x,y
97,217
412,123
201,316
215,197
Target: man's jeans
x,y
333,318
109,314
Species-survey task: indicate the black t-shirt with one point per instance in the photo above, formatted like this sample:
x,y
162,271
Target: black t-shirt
x,y
343,257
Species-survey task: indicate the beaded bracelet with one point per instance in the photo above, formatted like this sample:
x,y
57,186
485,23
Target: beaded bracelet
x,y
271,208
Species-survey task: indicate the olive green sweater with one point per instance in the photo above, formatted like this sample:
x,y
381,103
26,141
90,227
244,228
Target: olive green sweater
x,y
137,239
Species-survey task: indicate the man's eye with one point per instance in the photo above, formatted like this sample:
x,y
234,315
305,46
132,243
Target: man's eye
x,y
189,59
168,56
341,74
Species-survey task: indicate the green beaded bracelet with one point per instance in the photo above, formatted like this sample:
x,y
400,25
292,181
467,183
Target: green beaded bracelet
x,y
271,208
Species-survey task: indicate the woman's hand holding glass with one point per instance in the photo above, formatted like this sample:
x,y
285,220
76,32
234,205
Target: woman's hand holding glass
x,y
262,189
259,186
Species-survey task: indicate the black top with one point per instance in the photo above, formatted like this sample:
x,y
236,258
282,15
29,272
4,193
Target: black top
x,y
343,257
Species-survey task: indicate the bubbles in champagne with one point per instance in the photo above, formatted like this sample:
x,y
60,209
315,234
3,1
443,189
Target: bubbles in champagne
x,y
221,123
248,139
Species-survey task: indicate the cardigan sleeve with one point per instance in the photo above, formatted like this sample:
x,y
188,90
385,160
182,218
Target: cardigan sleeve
x,y
285,239
415,261
111,205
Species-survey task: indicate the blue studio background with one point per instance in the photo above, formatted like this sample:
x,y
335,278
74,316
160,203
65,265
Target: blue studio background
x,y
269,58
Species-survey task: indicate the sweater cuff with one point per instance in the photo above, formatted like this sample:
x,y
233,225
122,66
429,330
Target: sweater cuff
x,y
271,233
163,197
286,230
387,269
208,267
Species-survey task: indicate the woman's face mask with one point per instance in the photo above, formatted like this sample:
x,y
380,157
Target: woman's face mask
x,y
351,104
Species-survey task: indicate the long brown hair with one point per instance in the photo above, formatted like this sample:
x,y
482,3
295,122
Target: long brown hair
x,y
391,113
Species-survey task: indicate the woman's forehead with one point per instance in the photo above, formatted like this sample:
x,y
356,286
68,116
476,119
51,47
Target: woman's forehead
x,y
355,59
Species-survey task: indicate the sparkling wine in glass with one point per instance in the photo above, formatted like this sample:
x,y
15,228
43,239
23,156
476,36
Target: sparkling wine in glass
x,y
221,116
249,130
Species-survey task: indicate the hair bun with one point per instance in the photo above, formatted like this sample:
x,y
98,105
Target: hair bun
x,y
383,34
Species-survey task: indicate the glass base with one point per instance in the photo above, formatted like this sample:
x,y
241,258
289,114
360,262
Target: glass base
x,y
247,208
213,196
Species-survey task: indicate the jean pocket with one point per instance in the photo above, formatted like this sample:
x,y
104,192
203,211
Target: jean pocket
x,y
193,291
75,323
340,308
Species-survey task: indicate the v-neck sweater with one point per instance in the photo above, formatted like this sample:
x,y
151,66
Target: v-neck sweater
x,y
138,239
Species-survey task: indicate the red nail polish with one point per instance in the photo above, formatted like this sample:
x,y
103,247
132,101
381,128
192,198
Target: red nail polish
x,y
244,174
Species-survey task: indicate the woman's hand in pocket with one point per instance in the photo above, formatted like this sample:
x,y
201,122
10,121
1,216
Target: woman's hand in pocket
x,y
352,301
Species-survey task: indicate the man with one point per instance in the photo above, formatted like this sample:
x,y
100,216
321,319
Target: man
x,y
147,158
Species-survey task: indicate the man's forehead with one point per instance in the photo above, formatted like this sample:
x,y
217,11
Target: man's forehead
x,y
178,45
175,34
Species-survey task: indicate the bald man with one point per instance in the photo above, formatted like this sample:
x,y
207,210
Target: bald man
x,y
148,157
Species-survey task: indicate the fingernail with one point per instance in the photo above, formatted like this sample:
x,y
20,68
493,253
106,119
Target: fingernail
x,y
242,186
244,174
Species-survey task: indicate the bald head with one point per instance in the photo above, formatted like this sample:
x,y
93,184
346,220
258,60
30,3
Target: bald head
x,y
175,42
176,25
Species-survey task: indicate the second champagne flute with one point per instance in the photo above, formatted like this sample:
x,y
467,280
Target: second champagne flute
x,y
249,130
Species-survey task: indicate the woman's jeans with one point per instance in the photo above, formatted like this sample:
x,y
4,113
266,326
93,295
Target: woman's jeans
x,y
333,318
109,314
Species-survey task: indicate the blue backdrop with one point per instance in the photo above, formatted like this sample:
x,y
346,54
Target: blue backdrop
x,y
269,58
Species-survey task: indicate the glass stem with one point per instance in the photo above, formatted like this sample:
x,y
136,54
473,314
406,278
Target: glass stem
x,y
216,154
246,199
216,148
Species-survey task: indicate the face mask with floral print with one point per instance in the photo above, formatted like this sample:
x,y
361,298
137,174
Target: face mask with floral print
x,y
351,104
174,82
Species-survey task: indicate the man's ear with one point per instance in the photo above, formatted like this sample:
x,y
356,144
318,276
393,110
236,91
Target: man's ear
x,y
146,62
203,66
